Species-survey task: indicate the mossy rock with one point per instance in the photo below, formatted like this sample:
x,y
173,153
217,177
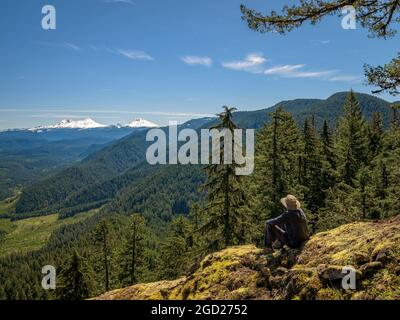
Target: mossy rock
x,y
369,269
315,272
329,294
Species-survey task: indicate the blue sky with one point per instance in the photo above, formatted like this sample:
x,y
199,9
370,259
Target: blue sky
x,y
115,60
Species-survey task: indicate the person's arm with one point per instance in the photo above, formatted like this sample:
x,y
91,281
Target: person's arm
x,y
282,219
303,215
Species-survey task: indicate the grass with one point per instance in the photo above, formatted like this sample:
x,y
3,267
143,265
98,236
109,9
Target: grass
x,y
8,205
31,234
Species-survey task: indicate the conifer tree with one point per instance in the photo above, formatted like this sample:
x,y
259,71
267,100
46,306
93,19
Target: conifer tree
x,y
76,280
376,131
328,161
365,196
311,176
195,215
352,141
226,218
394,117
387,172
327,146
278,164
175,249
132,258
196,241
101,237
342,206
346,199
383,181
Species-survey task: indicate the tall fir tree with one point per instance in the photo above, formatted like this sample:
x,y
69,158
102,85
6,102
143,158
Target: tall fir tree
x,y
386,171
394,116
226,216
383,183
352,140
311,172
376,132
176,249
195,215
76,280
329,159
196,240
278,164
132,259
101,237
364,186
328,152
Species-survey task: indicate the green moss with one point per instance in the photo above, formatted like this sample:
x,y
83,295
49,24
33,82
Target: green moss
x,y
244,272
329,294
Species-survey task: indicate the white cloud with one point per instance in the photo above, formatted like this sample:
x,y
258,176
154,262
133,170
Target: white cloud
x,y
119,1
176,114
315,74
255,63
116,111
72,46
252,63
70,116
94,48
195,60
65,45
134,54
293,71
347,78
286,69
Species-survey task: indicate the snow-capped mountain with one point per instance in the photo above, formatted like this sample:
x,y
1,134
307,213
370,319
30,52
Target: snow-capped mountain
x,y
141,123
72,124
88,123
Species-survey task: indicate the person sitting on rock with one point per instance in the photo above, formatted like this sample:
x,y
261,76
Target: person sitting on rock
x,y
290,228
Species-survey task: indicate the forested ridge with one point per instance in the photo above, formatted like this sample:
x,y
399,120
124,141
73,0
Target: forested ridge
x,y
197,231
162,224
112,165
29,156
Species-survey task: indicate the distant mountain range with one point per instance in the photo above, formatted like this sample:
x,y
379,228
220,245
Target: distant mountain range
x,y
114,174
27,155
91,124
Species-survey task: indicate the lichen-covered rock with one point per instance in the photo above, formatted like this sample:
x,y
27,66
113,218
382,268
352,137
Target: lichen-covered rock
x,y
370,268
148,291
245,272
330,273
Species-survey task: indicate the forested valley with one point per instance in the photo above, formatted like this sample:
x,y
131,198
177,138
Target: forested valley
x,y
338,156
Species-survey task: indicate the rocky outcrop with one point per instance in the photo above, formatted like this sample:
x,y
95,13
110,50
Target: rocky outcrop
x,y
316,271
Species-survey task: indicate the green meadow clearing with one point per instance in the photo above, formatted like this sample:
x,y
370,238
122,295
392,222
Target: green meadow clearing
x,y
8,205
30,234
